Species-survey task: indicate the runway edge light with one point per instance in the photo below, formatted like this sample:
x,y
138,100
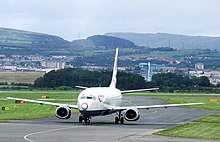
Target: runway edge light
x,y
22,102
44,97
6,108
213,100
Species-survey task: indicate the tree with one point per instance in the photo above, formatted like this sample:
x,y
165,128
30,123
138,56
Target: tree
x,y
73,77
171,81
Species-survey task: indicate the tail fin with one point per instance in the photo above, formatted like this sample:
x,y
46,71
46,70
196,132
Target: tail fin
x,y
114,74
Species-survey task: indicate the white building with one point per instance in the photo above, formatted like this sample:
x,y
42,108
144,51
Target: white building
x,y
199,66
53,64
213,76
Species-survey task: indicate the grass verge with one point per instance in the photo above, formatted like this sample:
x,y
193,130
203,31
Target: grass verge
x,y
179,98
27,110
204,128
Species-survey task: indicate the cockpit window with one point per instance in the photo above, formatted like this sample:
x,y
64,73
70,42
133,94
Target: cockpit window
x,y
89,97
83,97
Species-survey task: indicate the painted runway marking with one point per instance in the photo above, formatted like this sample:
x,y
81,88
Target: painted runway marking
x,y
47,131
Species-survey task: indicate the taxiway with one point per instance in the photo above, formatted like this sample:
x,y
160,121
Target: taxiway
x,y
103,128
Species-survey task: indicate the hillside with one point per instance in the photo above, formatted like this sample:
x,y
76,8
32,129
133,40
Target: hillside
x,y
109,41
170,40
21,42
104,41
18,41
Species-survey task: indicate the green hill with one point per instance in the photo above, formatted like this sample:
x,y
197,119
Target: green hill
x,y
24,42
170,40
104,41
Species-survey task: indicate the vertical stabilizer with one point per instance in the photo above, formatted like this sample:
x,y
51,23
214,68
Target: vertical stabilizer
x,y
115,69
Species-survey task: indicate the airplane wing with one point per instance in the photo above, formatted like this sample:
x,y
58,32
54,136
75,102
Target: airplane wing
x,y
139,90
154,106
43,102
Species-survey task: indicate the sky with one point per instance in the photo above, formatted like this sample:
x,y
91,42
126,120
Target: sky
x,y
74,19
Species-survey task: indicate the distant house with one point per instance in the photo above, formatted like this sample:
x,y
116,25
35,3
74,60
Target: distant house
x,y
213,76
199,66
53,64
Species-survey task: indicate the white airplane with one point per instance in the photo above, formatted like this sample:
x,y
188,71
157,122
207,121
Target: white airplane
x,y
100,101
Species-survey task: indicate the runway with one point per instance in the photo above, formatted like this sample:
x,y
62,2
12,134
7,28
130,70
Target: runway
x,y
103,128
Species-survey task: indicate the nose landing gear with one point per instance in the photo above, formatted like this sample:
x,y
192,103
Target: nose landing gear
x,y
119,118
86,119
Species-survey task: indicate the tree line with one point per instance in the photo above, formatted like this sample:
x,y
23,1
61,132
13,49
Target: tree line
x,y
81,77
171,82
168,82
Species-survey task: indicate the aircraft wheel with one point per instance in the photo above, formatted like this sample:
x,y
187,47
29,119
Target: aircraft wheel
x,y
122,120
80,119
87,121
116,120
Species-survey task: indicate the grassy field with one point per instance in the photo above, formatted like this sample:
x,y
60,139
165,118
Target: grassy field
x,y
20,77
204,128
31,110
176,98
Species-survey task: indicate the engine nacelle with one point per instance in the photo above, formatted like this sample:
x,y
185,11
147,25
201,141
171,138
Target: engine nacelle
x,y
132,114
63,112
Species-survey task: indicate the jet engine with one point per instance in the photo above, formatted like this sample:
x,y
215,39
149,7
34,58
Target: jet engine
x,y
63,112
132,114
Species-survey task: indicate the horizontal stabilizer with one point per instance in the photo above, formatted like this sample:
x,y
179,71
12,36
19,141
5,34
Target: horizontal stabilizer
x,y
139,90
81,87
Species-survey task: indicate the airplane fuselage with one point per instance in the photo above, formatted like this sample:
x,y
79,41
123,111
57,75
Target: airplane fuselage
x,y
96,101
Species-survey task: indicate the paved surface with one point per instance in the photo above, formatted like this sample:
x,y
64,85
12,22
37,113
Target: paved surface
x,y
103,128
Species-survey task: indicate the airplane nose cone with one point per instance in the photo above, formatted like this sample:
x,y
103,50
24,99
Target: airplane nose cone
x,y
84,106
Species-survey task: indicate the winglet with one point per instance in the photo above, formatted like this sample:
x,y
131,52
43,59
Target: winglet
x,y
114,74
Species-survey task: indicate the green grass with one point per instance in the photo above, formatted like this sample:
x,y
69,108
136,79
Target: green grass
x,y
204,128
30,110
177,98
207,106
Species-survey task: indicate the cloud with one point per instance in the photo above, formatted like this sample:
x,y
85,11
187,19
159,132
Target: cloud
x,y
70,18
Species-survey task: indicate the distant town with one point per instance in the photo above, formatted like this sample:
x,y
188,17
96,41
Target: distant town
x,y
37,63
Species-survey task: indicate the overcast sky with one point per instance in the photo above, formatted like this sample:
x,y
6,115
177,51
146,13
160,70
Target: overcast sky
x,y
72,19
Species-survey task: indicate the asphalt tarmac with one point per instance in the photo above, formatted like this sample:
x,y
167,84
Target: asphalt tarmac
x,y
103,128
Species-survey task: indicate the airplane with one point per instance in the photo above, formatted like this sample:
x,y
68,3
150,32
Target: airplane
x,y
101,101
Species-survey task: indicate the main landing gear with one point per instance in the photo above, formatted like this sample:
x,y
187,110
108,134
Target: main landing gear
x,y
119,118
86,119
